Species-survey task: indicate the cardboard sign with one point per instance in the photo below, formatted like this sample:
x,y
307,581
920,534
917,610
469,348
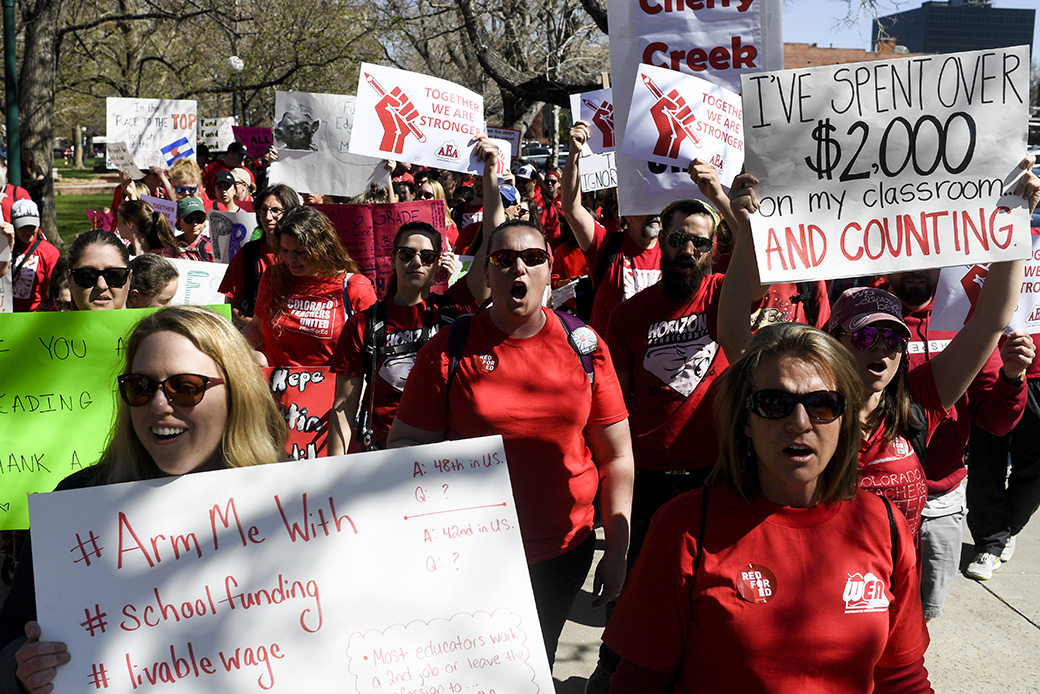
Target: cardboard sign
x,y
312,133
256,140
691,118
510,135
718,41
121,159
888,166
597,171
198,282
597,109
217,133
167,208
228,232
390,571
156,131
304,395
407,116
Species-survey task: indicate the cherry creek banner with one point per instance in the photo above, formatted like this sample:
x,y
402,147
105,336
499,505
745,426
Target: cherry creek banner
x,y
888,166
304,395
718,41
408,116
391,571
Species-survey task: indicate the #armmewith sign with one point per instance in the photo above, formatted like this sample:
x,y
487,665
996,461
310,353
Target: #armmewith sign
x,y
888,166
389,571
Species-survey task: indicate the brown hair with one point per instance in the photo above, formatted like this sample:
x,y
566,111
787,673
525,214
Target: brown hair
x,y
150,223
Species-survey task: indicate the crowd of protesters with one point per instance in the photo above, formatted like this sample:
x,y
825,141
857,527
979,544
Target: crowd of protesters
x,y
735,440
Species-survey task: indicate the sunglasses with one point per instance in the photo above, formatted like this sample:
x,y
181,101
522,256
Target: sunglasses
x,y
820,405
183,390
196,218
405,255
426,195
87,277
678,239
865,338
507,257
186,190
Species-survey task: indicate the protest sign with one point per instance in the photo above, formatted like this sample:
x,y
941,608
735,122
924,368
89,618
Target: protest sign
x,y
390,571
716,41
888,166
367,231
217,133
167,208
198,282
156,131
6,297
312,133
57,397
256,140
597,171
121,159
597,109
99,219
407,116
304,395
510,135
228,232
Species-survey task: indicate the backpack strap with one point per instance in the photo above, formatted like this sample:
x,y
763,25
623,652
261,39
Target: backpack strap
x,y
807,297
700,534
582,340
15,269
611,251
348,310
917,433
895,542
251,272
458,333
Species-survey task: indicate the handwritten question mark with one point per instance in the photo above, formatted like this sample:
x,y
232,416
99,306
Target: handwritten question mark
x,y
445,488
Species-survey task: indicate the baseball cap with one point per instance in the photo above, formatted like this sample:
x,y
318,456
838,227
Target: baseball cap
x,y
224,176
510,194
526,171
25,213
242,176
861,306
188,205
237,148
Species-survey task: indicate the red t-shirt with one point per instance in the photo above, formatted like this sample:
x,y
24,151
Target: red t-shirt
x,y
29,287
210,172
827,616
535,393
669,351
233,286
635,269
10,194
307,332
777,305
404,326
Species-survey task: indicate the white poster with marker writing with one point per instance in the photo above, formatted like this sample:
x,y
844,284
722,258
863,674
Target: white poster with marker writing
x,y
719,41
597,109
228,232
312,133
157,132
198,282
888,166
390,571
408,116
597,171
217,133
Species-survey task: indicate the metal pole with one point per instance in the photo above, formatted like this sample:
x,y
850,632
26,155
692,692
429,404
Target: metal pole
x,y
14,145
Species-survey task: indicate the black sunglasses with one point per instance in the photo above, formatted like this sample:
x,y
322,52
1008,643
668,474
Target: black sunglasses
x,y
195,218
678,239
186,190
426,256
864,338
507,257
820,405
183,390
87,277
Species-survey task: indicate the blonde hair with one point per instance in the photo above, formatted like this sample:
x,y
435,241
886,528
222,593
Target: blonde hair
x,y
185,172
255,432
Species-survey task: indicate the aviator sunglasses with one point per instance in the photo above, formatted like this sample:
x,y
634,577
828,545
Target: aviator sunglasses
x,y
405,254
507,257
820,405
678,239
183,390
86,277
865,338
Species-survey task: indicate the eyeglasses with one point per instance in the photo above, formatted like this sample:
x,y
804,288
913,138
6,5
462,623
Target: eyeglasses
x,y
678,239
426,256
274,211
195,218
87,277
820,405
183,390
865,338
507,257
186,190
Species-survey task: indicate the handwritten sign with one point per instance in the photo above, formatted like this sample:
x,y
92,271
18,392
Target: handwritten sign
x,y
156,131
198,282
312,133
597,109
217,133
228,232
304,395
718,41
120,156
510,135
256,140
99,219
389,571
597,171
167,208
407,116
888,166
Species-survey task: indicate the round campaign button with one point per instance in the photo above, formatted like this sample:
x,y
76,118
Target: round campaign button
x,y
756,584
486,363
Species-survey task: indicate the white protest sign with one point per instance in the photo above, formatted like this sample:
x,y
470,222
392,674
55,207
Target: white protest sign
x,y
692,118
228,232
504,161
597,109
6,287
217,133
156,131
198,282
121,159
718,41
167,208
510,135
312,133
888,166
597,171
408,116
389,571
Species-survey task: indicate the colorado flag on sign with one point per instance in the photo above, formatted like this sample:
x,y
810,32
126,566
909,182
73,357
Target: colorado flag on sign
x,y
176,150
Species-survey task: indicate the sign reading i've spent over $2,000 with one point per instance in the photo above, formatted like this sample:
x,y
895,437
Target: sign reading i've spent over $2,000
x,y
888,166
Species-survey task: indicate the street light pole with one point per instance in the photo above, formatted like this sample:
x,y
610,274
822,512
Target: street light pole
x,y
14,143
236,65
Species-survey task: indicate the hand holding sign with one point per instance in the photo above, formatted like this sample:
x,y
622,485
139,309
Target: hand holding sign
x,y
1017,353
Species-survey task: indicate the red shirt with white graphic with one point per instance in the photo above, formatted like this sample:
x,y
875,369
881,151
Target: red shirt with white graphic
x,y
30,285
669,351
891,468
635,269
535,393
785,599
307,332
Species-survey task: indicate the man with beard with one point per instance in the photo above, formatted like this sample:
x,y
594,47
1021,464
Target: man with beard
x,y
994,401
622,263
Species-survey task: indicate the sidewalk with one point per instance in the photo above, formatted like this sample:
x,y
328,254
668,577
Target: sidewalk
x,y
987,640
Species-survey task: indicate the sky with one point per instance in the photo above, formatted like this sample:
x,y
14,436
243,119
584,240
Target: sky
x,y
817,21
